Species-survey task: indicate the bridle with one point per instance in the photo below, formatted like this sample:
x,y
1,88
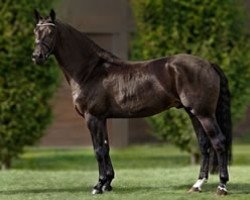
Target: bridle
x,y
45,24
41,42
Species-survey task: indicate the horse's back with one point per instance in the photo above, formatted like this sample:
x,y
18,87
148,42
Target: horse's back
x,y
145,88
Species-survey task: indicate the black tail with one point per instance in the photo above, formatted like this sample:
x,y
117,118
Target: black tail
x,y
223,115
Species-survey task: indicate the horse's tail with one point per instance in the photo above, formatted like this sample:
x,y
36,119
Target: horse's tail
x,y
223,116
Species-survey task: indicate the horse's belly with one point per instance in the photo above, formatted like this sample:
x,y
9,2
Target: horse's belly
x,y
142,106
139,95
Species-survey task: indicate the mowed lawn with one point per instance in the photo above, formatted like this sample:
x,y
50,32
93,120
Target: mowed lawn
x,y
142,172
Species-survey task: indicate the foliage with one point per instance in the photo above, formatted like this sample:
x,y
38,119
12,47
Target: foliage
x,y
25,89
212,29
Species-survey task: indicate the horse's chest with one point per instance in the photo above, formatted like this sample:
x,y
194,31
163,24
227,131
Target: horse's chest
x,y
77,96
89,100
75,89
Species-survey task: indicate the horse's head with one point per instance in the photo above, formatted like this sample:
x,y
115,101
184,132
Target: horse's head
x,y
45,37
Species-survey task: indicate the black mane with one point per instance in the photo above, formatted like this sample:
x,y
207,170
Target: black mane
x,y
102,53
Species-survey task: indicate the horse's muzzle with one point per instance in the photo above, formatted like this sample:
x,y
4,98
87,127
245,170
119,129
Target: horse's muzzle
x,y
38,58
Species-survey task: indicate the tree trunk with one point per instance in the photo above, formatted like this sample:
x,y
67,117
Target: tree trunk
x,y
195,158
6,163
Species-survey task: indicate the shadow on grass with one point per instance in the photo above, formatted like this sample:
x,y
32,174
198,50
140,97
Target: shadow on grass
x,y
45,190
117,190
233,189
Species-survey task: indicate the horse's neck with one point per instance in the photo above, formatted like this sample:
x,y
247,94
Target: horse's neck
x,y
74,52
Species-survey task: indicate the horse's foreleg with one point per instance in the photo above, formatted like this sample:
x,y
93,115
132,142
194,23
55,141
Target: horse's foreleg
x,y
205,146
218,141
109,171
99,136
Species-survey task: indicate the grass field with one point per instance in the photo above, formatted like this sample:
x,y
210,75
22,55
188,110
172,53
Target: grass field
x,y
147,172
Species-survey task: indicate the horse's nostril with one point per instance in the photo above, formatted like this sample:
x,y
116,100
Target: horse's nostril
x,y
40,56
37,55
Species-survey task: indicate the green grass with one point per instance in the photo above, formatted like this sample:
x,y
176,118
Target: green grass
x,y
155,183
147,172
146,156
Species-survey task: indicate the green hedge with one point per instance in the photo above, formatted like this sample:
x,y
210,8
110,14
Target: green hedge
x,y
25,89
212,29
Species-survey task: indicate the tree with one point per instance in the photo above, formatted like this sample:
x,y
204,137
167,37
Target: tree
x,y
212,29
25,89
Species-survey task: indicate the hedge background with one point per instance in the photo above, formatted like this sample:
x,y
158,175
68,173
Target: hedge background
x,y
25,88
212,29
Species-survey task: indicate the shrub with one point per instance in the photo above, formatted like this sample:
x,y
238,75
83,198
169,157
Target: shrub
x,y
212,29
25,89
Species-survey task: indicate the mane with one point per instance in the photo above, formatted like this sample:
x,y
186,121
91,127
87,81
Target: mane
x,y
103,54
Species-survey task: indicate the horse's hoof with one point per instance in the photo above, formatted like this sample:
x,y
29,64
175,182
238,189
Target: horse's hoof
x,y
194,189
222,191
96,191
107,188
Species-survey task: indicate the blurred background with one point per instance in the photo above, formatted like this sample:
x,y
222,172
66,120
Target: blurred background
x,y
40,130
111,24
36,105
135,30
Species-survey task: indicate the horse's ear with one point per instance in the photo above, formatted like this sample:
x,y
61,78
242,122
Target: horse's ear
x,y
52,15
37,16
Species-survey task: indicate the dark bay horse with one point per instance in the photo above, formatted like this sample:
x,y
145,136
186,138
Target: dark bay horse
x,y
104,86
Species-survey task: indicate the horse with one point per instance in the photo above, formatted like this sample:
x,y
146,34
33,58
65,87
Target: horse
x,y
104,86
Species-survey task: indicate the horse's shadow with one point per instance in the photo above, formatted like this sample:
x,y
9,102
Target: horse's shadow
x,y
234,188
44,190
240,188
117,189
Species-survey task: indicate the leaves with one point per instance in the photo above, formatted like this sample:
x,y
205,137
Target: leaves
x,y
212,29
25,89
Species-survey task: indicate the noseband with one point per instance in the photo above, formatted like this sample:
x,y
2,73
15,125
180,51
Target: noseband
x,y
40,42
46,24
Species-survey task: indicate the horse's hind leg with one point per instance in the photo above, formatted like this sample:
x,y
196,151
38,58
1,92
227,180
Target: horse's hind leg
x,y
205,146
218,142
100,141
